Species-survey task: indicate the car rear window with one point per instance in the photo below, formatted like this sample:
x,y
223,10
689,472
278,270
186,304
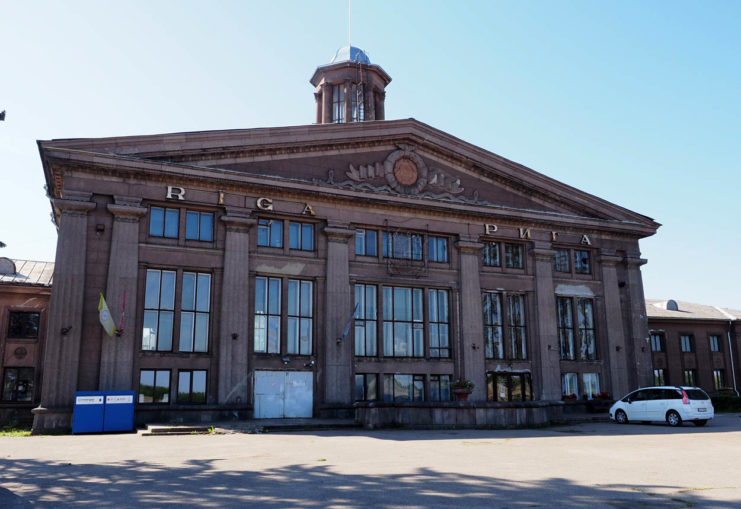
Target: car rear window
x,y
696,394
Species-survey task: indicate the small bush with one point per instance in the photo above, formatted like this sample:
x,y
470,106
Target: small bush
x,y
726,403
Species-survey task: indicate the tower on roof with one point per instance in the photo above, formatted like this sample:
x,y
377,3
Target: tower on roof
x,y
349,88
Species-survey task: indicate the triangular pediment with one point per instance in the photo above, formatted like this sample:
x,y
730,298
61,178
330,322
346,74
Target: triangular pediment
x,y
400,158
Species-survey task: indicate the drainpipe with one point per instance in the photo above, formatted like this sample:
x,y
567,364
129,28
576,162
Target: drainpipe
x,y
730,347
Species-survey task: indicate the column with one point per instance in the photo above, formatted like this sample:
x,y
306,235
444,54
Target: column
x,y
348,100
380,106
548,367
235,310
117,352
472,348
64,331
318,101
326,103
370,110
639,350
616,352
338,305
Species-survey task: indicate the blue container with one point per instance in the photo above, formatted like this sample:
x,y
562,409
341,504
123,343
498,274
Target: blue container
x,y
119,411
88,412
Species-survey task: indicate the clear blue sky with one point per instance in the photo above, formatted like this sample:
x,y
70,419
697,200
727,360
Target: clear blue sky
x,y
636,102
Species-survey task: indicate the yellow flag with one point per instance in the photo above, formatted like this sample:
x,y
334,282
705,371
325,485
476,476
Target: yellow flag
x,y
105,317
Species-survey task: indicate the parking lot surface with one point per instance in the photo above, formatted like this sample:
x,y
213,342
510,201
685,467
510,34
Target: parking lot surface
x,y
595,464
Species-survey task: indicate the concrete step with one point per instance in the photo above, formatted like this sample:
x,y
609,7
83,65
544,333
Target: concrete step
x,y
248,426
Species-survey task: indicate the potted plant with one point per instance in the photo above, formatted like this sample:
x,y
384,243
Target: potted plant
x,y
461,388
569,397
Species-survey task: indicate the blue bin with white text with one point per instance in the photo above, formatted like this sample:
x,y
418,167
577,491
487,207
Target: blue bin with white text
x,y
87,416
119,411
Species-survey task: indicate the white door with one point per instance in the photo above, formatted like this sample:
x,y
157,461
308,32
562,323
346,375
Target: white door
x,y
281,394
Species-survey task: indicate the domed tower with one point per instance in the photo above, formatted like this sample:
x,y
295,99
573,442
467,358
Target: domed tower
x,y
349,88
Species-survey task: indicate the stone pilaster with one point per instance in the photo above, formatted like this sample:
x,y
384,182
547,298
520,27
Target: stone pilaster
x,y
638,351
615,356
338,303
64,331
370,107
547,379
472,347
380,106
326,103
318,101
348,100
117,352
235,311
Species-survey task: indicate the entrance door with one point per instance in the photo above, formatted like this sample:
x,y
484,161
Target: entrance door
x,y
280,394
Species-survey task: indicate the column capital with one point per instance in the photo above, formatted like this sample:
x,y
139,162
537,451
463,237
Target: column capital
x,y
543,254
128,213
635,261
73,207
240,224
338,232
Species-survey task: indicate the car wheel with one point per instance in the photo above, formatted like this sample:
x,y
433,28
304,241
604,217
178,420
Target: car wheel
x,y
621,417
701,422
673,418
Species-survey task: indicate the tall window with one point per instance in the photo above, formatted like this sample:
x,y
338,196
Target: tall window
x,y
660,377
591,384
439,326
719,379
194,312
267,314
439,387
300,317
154,386
159,310
587,339
366,242
24,325
403,387
685,342
163,222
199,226
338,103
561,261
493,326
490,254
714,341
690,377
516,323
358,108
565,328
508,387
270,233
405,246
437,248
513,256
365,321
582,264
18,384
301,236
366,387
403,328
192,386
657,342
568,385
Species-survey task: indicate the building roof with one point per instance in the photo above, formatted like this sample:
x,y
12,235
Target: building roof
x,y
26,272
681,310
350,54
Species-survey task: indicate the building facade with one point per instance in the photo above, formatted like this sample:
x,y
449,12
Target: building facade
x,y
314,270
694,344
25,287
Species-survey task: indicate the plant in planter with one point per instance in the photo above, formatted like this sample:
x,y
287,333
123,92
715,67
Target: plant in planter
x,y
602,395
461,388
569,397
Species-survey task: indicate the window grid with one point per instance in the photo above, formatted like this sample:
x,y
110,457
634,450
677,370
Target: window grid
x,y
403,387
437,249
403,246
660,377
300,322
18,384
490,254
154,386
719,379
590,382
582,263
686,343
561,261
358,106
366,335
163,222
690,377
267,315
24,324
565,328
493,326
366,242
403,327
440,388
270,233
657,343
569,387
301,236
192,386
438,323
159,310
714,341
199,226
587,338
508,387
516,323
194,312
513,256
366,387
338,103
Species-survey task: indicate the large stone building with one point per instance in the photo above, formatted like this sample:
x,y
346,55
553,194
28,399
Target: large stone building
x,y
695,344
25,287
242,256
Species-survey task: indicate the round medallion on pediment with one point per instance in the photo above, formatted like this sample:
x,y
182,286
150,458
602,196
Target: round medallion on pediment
x,y
20,352
405,171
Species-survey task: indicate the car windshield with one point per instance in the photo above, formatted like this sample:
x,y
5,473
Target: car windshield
x,y
696,394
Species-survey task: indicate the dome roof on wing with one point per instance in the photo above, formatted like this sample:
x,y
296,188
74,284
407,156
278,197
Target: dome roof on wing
x,y
350,54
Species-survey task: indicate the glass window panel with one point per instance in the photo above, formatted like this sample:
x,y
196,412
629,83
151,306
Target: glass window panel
x,y
276,233
516,392
370,302
419,340
146,386
360,301
263,233
186,332
183,385
418,307
388,303
293,295
306,299
432,305
442,303
162,387
402,387
164,336
388,339
402,339
416,247
418,388
204,292
152,291
199,387
359,339
359,387
201,332
292,334
370,339
274,334
191,225
388,387
274,296
294,235
307,237
261,326
372,389
172,218
149,331
502,393
261,298
359,242
167,298
371,243
207,227
156,222
434,337
189,291
305,336
402,304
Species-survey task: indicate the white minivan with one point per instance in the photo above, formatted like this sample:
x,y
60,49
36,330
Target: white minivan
x,y
670,404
